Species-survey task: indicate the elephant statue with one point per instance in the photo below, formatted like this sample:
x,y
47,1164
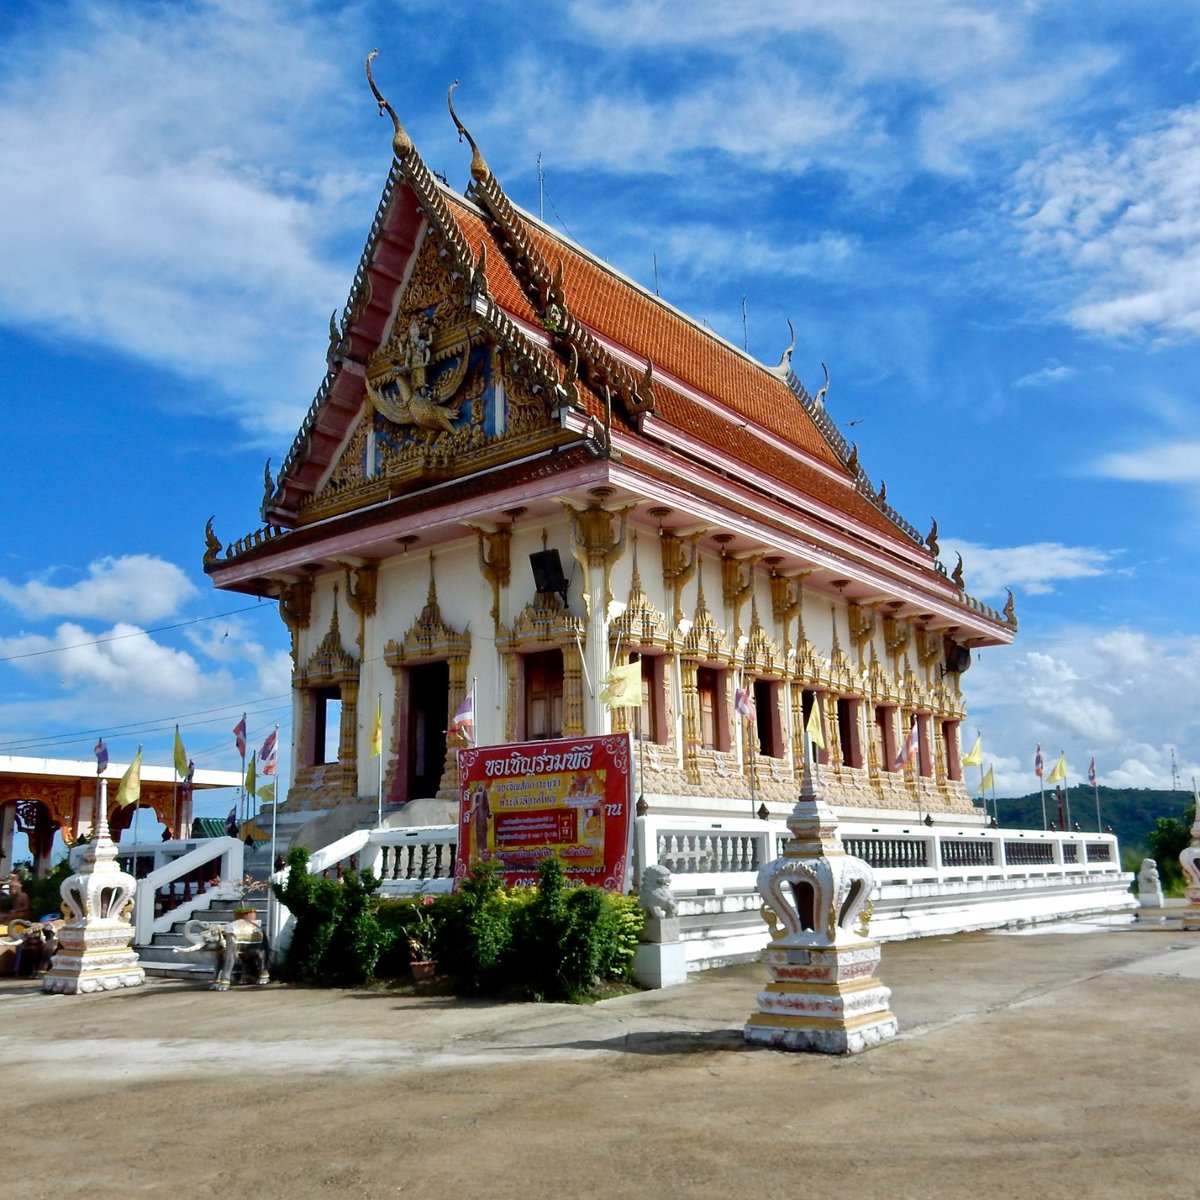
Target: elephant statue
x,y
239,948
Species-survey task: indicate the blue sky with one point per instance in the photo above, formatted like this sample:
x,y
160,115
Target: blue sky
x,y
983,217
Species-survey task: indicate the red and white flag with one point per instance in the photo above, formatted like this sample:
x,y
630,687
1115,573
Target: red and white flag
x,y
1037,762
239,735
909,750
464,718
1092,772
266,756
743,703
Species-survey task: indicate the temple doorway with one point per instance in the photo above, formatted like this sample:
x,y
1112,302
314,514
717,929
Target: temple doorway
x,y
428,708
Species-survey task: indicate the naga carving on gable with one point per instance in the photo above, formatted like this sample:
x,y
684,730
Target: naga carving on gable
x,y
419,377
404,383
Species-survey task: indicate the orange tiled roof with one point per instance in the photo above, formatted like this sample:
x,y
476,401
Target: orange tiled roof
x,y
502,284
624,314
770,463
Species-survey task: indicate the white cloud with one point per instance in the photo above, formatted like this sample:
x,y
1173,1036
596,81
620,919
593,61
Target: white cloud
x,y
136,587
969,76
1052,374
1171,462
162,196
1121,215
709,250
1088,691
1035,568
773,118
122,661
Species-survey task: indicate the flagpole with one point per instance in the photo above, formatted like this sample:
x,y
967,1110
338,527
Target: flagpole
x,y
641,763
753,735
979,737
1042,790
1096,792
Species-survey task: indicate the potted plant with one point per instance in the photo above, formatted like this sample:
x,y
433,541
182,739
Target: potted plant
x,y
419,935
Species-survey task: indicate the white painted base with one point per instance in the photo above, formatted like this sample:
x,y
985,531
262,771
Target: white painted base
x,y
822,1041
660,964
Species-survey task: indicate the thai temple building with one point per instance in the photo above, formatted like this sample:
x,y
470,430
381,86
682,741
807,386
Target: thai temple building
x,y
521,470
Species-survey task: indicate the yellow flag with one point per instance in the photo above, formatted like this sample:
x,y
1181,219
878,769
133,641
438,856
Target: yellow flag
x,y
813,726
623,687
377,730
181,758
251,775
974,757
129,790
988,781
1058,772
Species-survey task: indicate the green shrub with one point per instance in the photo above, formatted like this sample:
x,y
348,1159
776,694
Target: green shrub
x,y
477,933
337,938
567,937
551,942
1168,839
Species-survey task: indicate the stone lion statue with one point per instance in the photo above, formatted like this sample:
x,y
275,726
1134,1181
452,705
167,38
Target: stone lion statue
x,y
655,895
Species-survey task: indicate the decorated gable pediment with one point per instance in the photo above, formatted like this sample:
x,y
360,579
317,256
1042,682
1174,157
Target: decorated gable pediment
x,y
444,394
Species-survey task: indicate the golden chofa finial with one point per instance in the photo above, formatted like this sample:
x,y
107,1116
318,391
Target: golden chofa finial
x,y
402,144
479,168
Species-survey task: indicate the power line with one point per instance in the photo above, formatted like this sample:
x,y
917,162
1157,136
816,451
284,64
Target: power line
x,y
116,637
153,724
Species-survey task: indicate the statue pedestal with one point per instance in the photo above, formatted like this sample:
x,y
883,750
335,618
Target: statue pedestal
x,y
822,998
823,995
1191,908
93,956
660,964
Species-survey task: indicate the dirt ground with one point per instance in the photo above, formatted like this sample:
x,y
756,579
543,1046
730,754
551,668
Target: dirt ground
x,y
1048,1065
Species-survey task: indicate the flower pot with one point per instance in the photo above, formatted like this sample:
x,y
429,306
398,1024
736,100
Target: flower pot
x,y
423,970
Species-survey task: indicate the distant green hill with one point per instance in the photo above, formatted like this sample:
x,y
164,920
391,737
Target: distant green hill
x,y
1131,812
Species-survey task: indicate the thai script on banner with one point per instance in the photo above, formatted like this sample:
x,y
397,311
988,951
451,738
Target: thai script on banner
x,y
571,797
577,758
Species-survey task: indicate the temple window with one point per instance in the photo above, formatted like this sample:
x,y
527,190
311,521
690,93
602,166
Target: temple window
x,y
848,734
653,726
950,744
327,725
714,719
807,700
768,721
543,688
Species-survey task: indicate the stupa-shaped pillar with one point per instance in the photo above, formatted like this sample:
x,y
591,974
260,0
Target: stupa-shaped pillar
x,y
94,945
1189,860
823,995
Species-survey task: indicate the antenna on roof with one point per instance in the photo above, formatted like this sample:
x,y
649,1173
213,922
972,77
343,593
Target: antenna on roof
x,y
745,328
541,190
656,291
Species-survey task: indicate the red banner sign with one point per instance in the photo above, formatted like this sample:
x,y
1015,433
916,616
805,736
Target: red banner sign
x,y
571,797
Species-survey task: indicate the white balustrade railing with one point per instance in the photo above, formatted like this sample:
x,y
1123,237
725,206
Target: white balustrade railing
x,y
706,857
714,855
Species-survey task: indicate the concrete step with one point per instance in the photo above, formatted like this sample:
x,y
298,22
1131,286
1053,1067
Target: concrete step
x,y
158,959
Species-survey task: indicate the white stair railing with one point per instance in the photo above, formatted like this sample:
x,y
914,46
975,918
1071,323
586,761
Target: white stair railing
x,y
226,853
